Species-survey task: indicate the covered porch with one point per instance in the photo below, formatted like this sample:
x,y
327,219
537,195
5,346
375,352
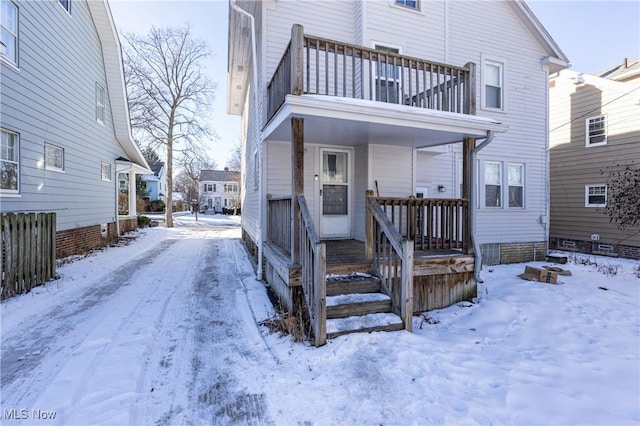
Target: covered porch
x,y
340,114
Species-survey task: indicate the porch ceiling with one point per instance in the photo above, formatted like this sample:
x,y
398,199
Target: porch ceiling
x,y
345,121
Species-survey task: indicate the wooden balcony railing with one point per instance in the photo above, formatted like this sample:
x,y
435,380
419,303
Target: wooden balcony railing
x,y
432,224
279,222
313,65
313,269
391,259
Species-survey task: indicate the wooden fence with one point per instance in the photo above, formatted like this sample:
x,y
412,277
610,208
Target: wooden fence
x,y
279,221
28,251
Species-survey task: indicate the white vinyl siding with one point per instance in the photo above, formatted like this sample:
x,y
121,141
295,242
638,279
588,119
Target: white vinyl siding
x,y
9,30
10,163
53,157
595,195
596,131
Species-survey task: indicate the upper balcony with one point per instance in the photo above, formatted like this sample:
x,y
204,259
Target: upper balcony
x,y
429,103
317,66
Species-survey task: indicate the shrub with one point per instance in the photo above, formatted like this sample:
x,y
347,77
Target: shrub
x,y
156,206
143,221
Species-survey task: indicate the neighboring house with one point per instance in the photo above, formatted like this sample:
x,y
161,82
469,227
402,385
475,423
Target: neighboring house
x,y
66,137
219,189
390,96
594,130
156,182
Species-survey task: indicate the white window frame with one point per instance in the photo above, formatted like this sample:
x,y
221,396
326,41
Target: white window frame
x,y
502,67
66,7
4,154
522,185
256,171
395,79
403,4
13,35
588,121
500,181
587,189
105,169
100,103
49,149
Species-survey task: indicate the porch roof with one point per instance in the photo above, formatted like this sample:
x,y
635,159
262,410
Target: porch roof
x,y
347,121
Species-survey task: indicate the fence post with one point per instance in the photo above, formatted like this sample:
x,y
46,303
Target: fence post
x,y
406,292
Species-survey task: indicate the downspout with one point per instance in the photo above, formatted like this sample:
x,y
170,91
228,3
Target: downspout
x,y
473,204
254,63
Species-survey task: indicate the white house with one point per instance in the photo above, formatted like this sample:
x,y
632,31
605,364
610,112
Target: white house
x,y
441,100
219,189
65,125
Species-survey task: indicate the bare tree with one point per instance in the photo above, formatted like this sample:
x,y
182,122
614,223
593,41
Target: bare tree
x,y
168,93
235,162
150,155
192,161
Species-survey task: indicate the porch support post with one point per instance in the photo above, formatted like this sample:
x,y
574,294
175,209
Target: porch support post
x,y
132,194
368,224
297,59
297,183
468,144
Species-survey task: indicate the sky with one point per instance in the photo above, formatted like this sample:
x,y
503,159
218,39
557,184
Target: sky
x,y
164,330
593,34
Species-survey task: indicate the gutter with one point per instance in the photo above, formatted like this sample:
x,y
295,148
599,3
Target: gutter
x,y
254,64
473,203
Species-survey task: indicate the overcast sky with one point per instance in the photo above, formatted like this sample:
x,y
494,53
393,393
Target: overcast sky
x,y
593,34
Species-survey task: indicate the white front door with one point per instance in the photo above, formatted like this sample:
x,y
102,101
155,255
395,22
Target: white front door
x,y
335,194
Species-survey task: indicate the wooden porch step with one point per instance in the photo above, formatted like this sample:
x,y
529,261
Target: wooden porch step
x,y
346,305
363,323
347,268
351,284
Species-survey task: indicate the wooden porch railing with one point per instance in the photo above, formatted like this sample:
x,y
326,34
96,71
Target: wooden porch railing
x,y
279,221
314,65
313,268
392,259
432,224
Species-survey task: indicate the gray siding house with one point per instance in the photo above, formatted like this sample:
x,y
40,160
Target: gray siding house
x,y
66,139
594,130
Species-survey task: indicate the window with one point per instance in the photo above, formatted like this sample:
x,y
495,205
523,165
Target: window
x,y
387,83
597,131
66,4
106,172
209,187
230,187
516,185
595,195
493,85
493,184
9,30
99,103
215,189
53,157
9,162
413,4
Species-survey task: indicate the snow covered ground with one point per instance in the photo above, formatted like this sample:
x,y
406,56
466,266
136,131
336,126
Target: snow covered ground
x,y
164,331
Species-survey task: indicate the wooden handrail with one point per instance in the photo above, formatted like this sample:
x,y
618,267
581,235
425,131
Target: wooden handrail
x,y
313,266
391,258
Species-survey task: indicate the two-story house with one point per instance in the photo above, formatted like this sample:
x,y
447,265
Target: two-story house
x,y
594,132
156,183
219,190
66,135
403,138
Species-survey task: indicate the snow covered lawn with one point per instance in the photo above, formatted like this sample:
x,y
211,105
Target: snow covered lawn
x,y
163,331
